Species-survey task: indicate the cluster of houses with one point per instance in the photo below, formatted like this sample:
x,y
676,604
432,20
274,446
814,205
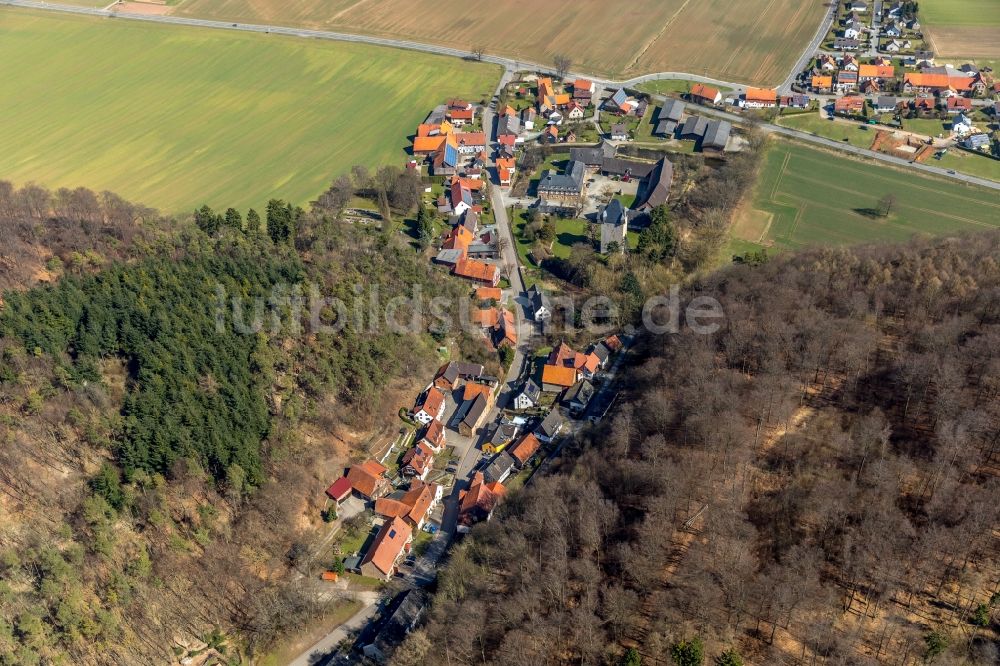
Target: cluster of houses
x,y
847,73
899,27
564,192
496,320
712,136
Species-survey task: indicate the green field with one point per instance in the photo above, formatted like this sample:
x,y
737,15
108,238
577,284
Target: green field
x,y
176,116
960,12
852,133
807,196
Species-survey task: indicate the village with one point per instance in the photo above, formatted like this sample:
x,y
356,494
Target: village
x,y
593,164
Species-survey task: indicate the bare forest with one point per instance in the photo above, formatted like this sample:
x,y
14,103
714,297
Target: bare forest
x,y
815,483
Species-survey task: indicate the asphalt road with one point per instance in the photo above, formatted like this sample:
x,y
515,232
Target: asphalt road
x,y
511,65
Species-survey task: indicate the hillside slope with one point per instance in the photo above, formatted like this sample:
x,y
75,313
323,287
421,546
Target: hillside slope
x,y
814,483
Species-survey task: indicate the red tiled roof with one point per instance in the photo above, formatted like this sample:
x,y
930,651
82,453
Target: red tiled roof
x,y
388,544
365,477
340,489
434,433
525,448
432,402
489,293
761,95
558,375
702,91
477,270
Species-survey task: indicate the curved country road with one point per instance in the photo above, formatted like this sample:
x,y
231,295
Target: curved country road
x,y
510,65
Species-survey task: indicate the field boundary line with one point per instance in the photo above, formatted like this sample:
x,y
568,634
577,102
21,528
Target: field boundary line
x,y
656,37
781,174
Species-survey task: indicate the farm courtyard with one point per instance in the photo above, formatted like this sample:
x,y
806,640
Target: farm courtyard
x,y
752,41
962,28
806,196
181,116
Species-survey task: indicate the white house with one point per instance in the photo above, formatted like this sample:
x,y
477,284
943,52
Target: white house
x,y
574,111
431,407
892,30
528,396
852,31
961,125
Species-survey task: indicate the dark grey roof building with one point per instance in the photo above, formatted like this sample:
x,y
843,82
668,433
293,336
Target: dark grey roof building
x,y
694,127
658,185
592,156
716,135
617,166
563,184
541,307
673,109
499,468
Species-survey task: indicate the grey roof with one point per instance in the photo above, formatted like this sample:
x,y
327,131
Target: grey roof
x,y
658,185
845,43
509,125
475,411
538,299
504,431
887,102
618,129
978,140
619,97
694,126
614,213
532,390
717,134
580,393
471,220
448,256
592,156
617,166
400,623
601,351
499,468
665,127
672,109
570,182
550,425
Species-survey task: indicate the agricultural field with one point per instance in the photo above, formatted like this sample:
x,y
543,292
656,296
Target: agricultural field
x,y
807,196
718,38
962,28
182,116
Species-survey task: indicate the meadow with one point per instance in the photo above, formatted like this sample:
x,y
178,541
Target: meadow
x,y
806,196
175,117
754,41
962,28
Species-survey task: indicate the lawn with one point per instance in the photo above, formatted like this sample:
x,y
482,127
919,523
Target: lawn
x,y
719,38
175,117
807,196
569,232
925,126
962,28
831,129
966,162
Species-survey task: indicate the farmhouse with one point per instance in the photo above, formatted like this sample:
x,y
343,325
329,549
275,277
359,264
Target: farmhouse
x,y
760,98
658,185
583,91
562,191
368,479
477,271
412,505
391,542
592,157
702,94
716,136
